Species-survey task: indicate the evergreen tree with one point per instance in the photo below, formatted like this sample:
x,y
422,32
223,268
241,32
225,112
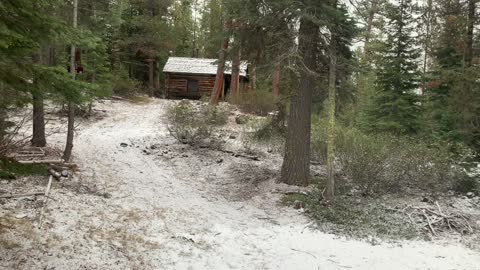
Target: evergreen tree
x,y
396,106
211,28
452,99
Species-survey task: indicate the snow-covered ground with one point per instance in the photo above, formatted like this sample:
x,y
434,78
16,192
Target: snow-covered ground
x,y
164,206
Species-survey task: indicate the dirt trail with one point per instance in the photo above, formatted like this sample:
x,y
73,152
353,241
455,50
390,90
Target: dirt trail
x,y
160,218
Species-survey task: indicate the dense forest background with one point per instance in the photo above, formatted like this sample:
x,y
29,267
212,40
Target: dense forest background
x,y
387,72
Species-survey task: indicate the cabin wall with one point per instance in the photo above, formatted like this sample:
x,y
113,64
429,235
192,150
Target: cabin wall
x,y
176,85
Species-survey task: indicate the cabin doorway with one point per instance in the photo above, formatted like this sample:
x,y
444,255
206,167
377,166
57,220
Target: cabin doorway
x,y
226,86
192,87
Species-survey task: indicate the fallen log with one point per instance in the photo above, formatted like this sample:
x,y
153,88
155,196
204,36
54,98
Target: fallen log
x,y
49,162
29,155
255,158
55,174
58,168
47,192
45,161
119,98
22,195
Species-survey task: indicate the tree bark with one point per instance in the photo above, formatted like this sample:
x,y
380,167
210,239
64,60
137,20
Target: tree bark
x,y
426,45
151,82
38,137
157,76
253,77
218,86
253,73
38,115
469,37
276,80
67,153
296,161
235,83
330,188
368,31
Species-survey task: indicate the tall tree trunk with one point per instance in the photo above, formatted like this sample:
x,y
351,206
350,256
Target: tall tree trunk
x,y
296,161
426,44
38,133
67,153
253,77
329,192
276,80
151,83
115,55
469,37
94,80
38,137
157,77
368,31
253,73
235,82
218,86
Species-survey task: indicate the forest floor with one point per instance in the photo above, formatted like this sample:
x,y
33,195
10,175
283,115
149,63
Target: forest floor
x,y
142,201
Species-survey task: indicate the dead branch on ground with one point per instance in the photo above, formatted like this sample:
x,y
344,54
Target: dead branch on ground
x,y
435,220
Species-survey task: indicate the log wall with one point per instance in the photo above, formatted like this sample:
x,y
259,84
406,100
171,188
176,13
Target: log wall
x,y
176,85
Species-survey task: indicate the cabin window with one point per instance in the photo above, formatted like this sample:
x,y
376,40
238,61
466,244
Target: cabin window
x,y
192,86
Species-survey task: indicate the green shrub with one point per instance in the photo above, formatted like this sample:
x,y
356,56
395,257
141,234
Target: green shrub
x,y
125,87
258,102
381,163
193,125
268,131
357,217
10,169
468,184
5,139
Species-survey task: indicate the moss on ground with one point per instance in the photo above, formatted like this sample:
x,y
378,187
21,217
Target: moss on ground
x,y
11,169
355,217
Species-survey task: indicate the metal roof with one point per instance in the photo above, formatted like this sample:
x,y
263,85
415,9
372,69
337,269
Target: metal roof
x,y
199,66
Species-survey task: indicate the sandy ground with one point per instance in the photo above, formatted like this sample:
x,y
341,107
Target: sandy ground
x,y
155,204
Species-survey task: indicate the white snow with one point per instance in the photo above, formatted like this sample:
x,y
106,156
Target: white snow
x,y
172,217
199,66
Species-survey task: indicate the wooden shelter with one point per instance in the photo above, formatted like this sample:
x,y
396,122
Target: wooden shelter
x,y
194,78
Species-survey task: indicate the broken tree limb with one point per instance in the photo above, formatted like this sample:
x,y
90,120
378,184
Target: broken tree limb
x,y
436,220
55,174
119,98
429,223
46,161
255,158
22,195
29,155
57,167
47,192
60,163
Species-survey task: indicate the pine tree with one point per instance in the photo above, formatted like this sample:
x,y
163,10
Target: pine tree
x,y
452,99
396,107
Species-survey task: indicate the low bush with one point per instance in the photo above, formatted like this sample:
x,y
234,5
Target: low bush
x,y
6,142
125,87
191,124
381,163
258,102
354,217
10,169
268,131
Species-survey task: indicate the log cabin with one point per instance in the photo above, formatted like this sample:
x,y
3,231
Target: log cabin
x,y
194,78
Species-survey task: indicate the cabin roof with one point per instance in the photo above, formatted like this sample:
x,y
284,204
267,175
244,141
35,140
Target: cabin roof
x,y
199,66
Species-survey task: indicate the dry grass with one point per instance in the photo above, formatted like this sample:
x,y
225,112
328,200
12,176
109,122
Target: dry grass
x,y
10,226
124,236
140,100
